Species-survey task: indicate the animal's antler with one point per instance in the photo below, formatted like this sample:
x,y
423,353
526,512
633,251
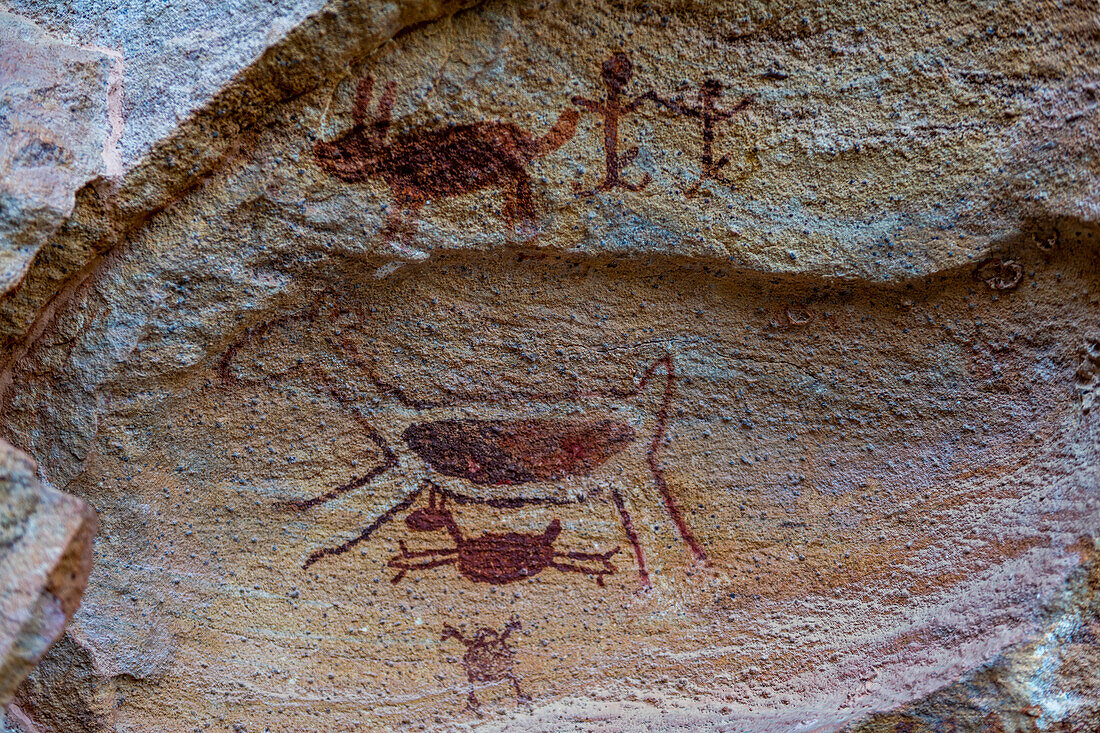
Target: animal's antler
x,y
450,632
436,501
513,625
362,100
385,109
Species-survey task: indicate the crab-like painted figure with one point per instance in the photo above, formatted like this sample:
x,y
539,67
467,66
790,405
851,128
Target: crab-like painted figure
x,y
488,658
493,558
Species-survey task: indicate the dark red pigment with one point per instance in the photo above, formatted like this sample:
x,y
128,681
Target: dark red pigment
x,y
616,72
427,163
493,558
501,452
488,658
510,452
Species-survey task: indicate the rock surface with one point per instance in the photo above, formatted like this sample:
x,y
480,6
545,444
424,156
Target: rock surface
x,y
577,366
60,122
1047,683
45,557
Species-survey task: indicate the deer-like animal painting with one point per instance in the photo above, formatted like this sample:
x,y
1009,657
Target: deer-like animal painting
x,y
423,164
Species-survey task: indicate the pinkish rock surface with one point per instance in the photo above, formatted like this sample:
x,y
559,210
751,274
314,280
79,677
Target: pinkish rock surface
x,y
46,542
59,130
577,366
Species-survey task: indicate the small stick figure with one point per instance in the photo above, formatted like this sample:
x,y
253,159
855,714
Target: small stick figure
x,y
488,658
616,72
708,116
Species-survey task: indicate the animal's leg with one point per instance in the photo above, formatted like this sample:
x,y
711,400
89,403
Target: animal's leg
x,y
385,109
412,223
651,456
390,462
361,108
389,514
631,534
472,704
519,209
398,222
402,222
510,212
598,573
406,567
391,225
515,684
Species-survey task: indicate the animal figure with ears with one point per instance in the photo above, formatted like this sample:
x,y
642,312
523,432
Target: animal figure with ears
x,y
432,163
500,462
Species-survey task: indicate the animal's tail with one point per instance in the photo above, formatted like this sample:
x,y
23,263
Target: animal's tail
x,y
558,135
663,415
667,387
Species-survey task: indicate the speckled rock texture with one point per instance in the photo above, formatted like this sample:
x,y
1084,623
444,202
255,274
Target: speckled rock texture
x,y
60,120
576,366
1048,682
45,557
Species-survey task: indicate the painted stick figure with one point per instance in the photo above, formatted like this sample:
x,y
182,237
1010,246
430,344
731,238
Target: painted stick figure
x,y
616,72
488,658
709,116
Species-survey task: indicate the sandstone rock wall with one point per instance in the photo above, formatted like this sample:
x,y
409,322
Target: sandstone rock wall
x,y
46,543
576,366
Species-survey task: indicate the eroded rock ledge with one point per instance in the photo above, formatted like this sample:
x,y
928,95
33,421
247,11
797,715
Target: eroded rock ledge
x,y
45,558
565,365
